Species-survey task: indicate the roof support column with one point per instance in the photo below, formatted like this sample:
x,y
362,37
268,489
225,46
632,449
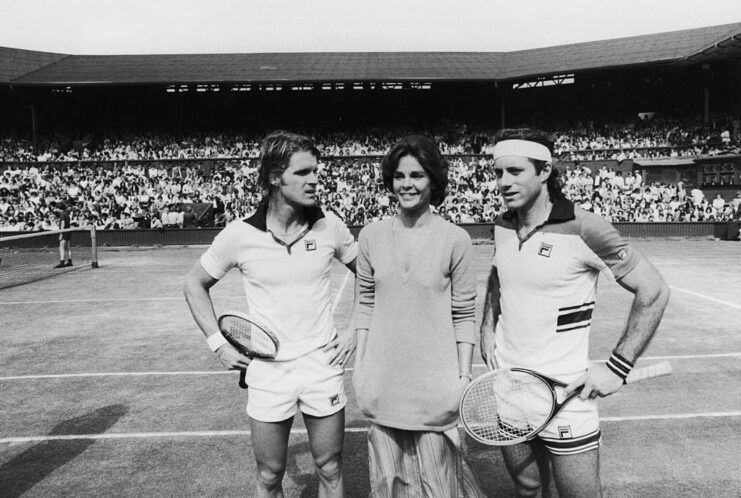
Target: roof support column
x,y
502,104
707,75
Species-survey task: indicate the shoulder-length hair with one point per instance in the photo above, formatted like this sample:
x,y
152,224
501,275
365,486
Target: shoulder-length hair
x,y
426,152
275,154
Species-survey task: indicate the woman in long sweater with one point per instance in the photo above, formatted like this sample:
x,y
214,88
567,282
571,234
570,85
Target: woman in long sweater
x,y
415,332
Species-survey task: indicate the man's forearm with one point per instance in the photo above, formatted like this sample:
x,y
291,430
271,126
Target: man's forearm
x,y
489,320
644,318
491,304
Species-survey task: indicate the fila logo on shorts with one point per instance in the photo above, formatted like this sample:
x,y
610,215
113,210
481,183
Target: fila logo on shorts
x,y
564,431
334,400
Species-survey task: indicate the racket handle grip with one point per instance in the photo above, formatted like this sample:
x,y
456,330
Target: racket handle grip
x,y
243,378
655,370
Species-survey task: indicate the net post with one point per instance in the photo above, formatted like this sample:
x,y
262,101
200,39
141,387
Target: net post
x,y
94,247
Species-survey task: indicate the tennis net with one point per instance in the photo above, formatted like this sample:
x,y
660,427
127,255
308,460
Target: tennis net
x,y
30,257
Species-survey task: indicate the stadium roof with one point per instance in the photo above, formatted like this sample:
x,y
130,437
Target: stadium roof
x,y
22,67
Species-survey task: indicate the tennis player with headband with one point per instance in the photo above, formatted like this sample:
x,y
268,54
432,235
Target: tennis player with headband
x,y
284,252
548,254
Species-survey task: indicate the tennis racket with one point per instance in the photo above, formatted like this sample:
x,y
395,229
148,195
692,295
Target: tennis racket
x,y
249,337
512,405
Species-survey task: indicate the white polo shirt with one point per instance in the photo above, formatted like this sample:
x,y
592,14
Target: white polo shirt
x,y
548,284
287,287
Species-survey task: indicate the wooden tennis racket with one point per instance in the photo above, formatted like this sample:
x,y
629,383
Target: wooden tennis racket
x,y
249,337
512,405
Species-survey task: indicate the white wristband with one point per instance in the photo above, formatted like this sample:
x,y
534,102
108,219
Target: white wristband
x,y
215,341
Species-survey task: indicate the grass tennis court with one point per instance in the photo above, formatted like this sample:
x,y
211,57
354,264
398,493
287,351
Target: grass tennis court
x,y
108,388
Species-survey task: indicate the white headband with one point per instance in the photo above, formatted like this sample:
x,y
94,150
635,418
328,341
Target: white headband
x,y
526,148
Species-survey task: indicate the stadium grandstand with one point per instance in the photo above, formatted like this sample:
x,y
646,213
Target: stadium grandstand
x,y
647,129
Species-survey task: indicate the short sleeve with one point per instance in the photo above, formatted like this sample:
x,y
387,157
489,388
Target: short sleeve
x,y
346,249
221,256
609,246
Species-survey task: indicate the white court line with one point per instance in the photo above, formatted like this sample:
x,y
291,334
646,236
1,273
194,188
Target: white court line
x,y
672,416
190,434
116,374
103,300
348,369
690,356
338,296
703,296
344,282
140,374
138,299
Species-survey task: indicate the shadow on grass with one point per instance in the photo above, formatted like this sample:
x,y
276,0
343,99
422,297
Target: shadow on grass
x,y
24,471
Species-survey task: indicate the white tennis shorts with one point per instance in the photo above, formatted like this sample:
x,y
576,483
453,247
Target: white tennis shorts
x,y
574,430
278,389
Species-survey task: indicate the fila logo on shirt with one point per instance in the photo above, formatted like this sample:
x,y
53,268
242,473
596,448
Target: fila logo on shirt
x,y
545,250
310,245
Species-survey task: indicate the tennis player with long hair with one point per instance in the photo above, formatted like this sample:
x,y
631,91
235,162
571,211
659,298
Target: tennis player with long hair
x,y
548,254
284,252
415,332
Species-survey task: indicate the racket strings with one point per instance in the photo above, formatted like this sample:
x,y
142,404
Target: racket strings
x,y
507,407
262,342
251,337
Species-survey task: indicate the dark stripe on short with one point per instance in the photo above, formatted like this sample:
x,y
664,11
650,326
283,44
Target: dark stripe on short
x,y
573,446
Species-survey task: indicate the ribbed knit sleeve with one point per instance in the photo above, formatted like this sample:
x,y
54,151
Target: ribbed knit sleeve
x,y
366,283
463,288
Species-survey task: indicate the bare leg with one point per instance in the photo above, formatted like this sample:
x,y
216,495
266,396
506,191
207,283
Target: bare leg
x,y
270,443
326,435
65,254
528,465
578,475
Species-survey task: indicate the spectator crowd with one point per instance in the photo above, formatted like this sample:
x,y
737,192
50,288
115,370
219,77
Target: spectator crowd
x,y
161,195
153,181
656,137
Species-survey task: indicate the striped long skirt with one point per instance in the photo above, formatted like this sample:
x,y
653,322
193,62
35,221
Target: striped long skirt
x,y
418,464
